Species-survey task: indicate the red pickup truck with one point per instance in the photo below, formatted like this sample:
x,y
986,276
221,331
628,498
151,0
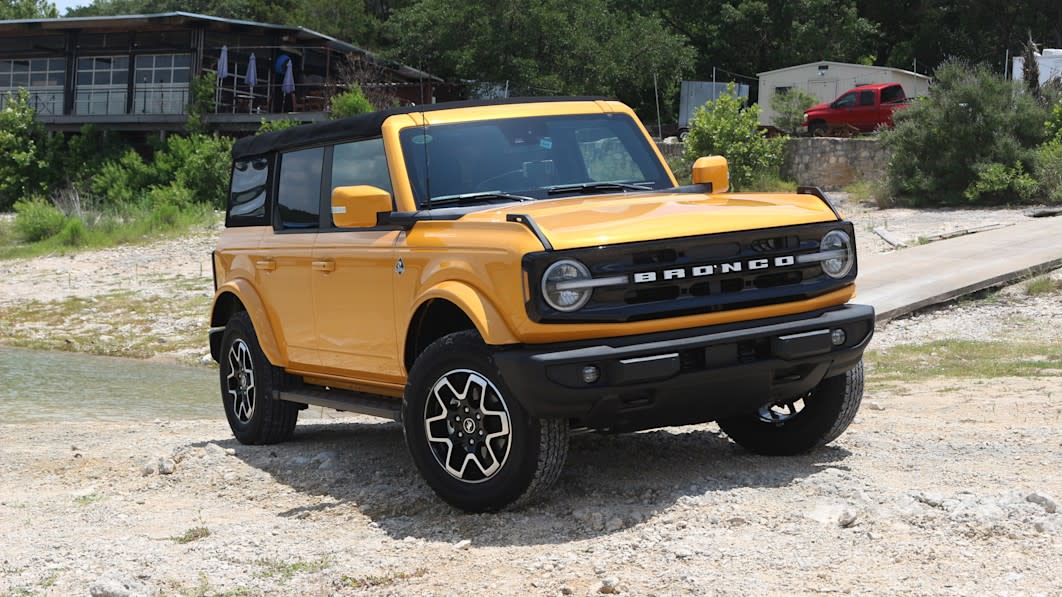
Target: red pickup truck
x,y
865,107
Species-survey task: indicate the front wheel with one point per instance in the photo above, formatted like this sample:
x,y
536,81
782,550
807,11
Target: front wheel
x,y
247,383
803,423
473,442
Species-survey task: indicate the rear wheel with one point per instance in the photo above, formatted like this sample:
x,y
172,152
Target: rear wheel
x,y
473,442
803,423
247,383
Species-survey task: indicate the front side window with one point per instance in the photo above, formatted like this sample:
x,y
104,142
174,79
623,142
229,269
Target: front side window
x,y
360,163
866,98
299,189
248,195
846,101
534,158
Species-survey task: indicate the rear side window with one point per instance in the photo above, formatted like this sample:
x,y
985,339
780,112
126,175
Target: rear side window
x,y
299,189
891,95
248,193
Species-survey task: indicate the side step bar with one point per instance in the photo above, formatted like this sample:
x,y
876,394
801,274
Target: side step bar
x,y
345,400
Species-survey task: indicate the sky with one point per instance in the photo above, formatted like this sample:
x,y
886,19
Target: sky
x,y
63,5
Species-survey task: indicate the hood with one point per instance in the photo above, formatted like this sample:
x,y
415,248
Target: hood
x,y
576,222
818,107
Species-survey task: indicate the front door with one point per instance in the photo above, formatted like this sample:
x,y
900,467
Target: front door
x,y
354,277
353,298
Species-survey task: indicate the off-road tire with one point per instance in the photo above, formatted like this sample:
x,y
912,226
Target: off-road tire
x,y
263,419
444,380
817,129
828,410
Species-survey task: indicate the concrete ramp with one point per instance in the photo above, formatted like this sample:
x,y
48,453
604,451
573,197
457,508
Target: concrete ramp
x,y
903,281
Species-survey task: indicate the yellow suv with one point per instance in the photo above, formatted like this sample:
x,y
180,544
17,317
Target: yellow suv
x,y
495,274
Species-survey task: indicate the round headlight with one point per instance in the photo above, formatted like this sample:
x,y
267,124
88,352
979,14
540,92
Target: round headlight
x,y
555,285
839,243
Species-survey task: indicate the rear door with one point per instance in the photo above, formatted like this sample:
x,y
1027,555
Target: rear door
x,y
865,114
284,270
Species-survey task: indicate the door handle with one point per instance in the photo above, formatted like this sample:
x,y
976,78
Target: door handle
x,y
324,266
266,264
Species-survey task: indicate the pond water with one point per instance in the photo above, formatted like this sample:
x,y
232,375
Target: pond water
x,y
40,386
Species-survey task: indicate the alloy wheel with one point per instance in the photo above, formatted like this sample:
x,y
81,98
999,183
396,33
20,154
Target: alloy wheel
x,y
240,381
467,425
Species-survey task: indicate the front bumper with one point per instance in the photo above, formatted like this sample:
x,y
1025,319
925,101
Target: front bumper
x,y
686,376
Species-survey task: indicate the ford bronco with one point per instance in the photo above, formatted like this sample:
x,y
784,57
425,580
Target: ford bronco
x,y
496,274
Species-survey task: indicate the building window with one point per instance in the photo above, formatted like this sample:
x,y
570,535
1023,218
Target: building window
x,y
299,191
41,77
780,91
161,83
102,85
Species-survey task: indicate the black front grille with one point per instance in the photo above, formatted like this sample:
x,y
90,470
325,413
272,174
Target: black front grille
x,y
699,274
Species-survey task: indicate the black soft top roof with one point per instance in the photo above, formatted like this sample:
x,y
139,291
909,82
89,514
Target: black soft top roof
x,y
362,126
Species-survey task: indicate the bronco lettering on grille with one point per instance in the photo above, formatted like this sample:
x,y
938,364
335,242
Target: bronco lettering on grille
x,y
700,271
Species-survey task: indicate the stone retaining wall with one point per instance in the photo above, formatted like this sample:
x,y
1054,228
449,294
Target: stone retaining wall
x,y
672,150
833,163
827,162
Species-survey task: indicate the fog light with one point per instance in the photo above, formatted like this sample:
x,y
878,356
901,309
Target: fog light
x,y
591,374
838,337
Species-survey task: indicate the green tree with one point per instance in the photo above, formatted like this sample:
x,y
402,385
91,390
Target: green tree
x,y
724,127
27,9
543,47
27,152
790,107
971,139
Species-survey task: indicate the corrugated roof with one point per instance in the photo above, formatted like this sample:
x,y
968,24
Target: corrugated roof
x,y
830,62
180,18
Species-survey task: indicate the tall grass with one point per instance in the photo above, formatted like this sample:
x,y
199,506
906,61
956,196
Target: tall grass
x,y
100,229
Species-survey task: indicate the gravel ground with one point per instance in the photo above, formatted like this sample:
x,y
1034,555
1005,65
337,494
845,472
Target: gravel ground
x,y
937,489
941,486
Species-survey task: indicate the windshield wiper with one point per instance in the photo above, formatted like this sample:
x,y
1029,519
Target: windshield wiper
x,y
599,187
485,196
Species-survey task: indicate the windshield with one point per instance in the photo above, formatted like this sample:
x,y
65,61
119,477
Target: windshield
x,y
529,158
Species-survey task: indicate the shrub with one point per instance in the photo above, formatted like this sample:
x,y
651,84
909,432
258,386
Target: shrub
x,y
27,152
268,126
790,107
36,219
721,127
997,183
945,144
172,195
199,163
73,234
120,182
349,103
1049,170
1053,126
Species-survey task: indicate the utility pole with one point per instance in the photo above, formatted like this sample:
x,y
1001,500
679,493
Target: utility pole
x,y
656,92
